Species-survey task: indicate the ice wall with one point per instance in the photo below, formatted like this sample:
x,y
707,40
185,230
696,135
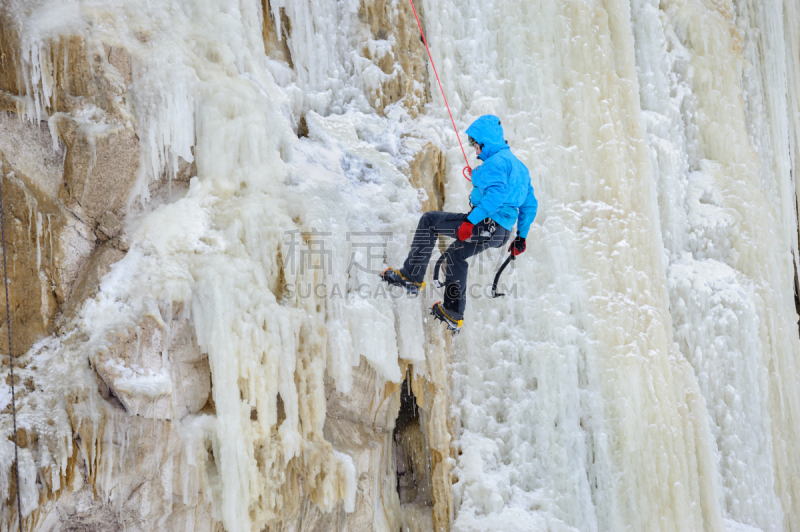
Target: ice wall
x,y
717,271
660,137
641,375
587,396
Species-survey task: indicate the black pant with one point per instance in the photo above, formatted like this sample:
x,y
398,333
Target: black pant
x,y
435,223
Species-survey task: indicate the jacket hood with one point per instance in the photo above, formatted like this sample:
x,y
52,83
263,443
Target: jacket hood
x,y
488,132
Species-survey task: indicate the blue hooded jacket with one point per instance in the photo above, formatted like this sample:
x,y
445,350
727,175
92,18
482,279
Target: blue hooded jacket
x,y
501,186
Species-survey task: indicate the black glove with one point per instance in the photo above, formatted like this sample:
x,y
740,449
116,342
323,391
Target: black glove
x,y
517,246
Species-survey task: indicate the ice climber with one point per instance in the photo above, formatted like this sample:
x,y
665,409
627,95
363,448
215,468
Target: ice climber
x,y
501,195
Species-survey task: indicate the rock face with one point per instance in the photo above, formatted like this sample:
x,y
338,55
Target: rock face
x,y
66,194
37,225
66,184
155,372
404,64
122,449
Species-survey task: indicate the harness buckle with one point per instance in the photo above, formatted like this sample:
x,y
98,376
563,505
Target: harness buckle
x,y
491,227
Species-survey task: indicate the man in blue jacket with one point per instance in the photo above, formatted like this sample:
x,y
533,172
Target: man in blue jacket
x,y
501,195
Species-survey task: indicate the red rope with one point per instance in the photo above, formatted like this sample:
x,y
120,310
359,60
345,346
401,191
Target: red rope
x,y
467,170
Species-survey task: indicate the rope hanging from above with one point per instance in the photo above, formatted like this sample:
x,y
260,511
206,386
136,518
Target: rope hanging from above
x,y
467,171
10,356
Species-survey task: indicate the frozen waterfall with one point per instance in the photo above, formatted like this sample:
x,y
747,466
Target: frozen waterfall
x,y
238,365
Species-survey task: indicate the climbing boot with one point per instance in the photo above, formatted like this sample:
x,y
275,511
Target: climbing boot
x,y
452,319
395,278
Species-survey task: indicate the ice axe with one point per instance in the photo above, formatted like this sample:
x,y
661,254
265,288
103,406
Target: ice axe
x,y
511,257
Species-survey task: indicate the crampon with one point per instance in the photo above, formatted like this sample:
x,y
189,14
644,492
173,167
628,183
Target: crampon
x,y
395,278
438,312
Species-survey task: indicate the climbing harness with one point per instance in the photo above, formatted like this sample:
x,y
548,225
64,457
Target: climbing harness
x,y
10,357
467,171
486,234
491,227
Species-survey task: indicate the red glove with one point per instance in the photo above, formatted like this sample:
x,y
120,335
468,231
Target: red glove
x,y
465,231
517,247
